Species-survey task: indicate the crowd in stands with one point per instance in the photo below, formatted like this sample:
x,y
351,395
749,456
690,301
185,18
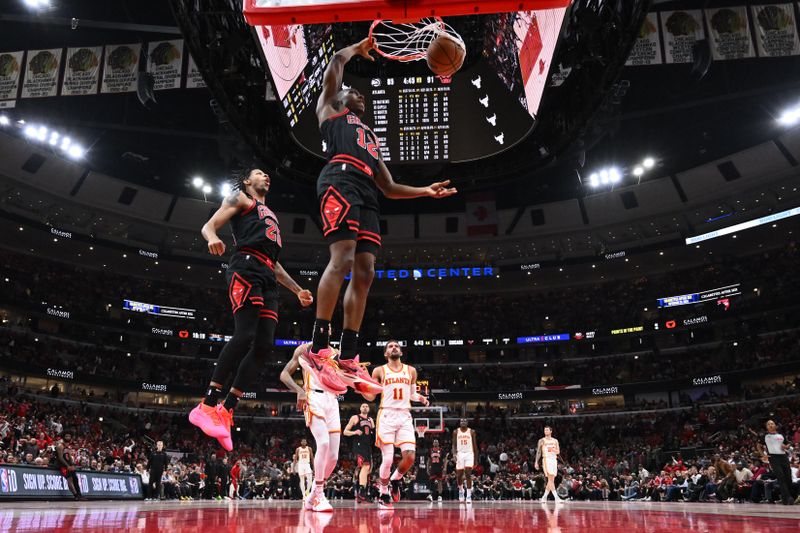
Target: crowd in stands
x,y
703,453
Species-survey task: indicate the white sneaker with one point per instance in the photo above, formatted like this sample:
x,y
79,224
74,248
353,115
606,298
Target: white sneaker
x,y
430,497
317,502
557,499
469,498
439,500
461,495
543,499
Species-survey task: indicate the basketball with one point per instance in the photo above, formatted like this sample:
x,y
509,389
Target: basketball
x,y
445,56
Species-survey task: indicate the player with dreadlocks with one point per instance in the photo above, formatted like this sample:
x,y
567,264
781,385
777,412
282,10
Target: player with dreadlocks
x,y
253,275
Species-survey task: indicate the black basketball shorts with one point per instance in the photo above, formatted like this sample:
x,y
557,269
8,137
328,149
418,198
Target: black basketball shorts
x,y
251,281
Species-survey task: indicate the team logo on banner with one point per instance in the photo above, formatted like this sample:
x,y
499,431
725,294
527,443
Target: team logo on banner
x,y
121,71
164,63
41,73
776,33
730,33
82,73
647,50
10,68
681,30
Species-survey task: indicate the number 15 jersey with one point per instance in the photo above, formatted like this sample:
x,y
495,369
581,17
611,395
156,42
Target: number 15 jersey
x,y
353,154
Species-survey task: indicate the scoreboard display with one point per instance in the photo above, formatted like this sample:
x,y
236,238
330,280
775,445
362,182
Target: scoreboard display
x,y
484,109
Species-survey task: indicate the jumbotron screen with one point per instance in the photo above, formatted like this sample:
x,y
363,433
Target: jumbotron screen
x,y
486,108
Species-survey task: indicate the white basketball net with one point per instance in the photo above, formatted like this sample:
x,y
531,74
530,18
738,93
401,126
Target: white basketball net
x,y
408,41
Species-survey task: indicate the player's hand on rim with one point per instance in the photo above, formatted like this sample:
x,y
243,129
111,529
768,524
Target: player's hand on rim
x,y
440,189
364,47
216,247
305,297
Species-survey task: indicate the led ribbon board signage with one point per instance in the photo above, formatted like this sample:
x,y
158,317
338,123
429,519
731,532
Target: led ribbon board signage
x,y
700,297
158,310
744,225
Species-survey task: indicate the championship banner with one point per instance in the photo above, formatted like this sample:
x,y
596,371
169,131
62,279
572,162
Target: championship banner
x,y
121,68
10,68
194,80
647,50
776,32
729,30
165,62
82,73
37,483
681,29
41,73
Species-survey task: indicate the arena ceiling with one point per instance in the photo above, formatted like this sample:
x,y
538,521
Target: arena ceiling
x,y
668,112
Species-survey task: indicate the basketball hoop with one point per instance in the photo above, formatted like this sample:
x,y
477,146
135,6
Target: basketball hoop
x,y
421,431
408,41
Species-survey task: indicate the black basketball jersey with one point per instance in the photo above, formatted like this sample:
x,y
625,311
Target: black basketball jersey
x,y
367,427
256,232
436,460
351,144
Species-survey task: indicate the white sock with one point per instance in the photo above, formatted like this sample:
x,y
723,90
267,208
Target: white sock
x,y
469,492
384,489
546,493
396,476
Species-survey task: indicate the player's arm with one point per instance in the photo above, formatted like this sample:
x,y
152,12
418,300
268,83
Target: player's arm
x,y
311,456
474,444
538,454
377,375
348,429
558,448
287,379
294,457
231,206
412,389
283,277
60,456
397,191
455,441
332,79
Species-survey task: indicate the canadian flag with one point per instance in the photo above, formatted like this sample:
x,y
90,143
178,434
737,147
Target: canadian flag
x,y
481,214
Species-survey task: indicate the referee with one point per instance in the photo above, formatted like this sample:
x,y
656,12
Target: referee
x,y
779,460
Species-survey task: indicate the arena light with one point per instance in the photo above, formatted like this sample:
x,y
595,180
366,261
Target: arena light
x,y
54,138
594,180
614,175
41,133
638,171
65,142
225,189
76,151
197,181
790,117
207,189
648,163
4,120
29,131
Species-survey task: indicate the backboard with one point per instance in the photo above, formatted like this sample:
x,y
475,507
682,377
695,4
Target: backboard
x,y
282,12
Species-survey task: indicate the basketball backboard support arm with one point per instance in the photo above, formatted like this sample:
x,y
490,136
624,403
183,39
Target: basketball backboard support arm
x,y
283,12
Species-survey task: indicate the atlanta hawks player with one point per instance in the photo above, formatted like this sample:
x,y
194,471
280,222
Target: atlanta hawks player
x,y
321,409
465,450
395,426
548,449
303,456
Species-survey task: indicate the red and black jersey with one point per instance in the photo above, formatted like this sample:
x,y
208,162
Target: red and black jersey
x,y
351,143
367,426
256,232
436,460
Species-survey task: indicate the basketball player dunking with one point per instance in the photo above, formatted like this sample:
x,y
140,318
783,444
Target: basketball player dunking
x,y
303,457
321,409
347,189
253,275
362,428
436,473
548,450
395,426
465,450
